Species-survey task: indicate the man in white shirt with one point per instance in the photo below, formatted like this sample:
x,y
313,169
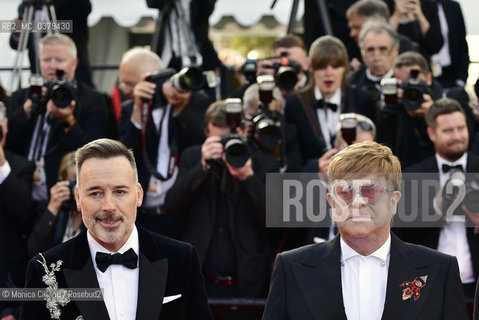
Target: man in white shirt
x,y
143,275
366,272
447,129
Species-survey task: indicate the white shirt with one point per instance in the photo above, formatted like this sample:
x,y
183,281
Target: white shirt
x,y
4,171
119,284
156,191
364,281
452,237
328,119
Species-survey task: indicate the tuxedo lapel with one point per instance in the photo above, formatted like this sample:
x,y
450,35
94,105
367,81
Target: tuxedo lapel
x,y
82,274
319,279
152,280
406,266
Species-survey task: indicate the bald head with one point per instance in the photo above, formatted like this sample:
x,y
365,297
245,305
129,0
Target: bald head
x,y
135,63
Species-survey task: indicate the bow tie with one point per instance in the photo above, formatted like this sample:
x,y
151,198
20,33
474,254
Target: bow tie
x,y
129,259
323,105
446,168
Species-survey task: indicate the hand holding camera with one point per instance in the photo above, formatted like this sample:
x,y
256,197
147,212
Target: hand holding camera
x,y
59,194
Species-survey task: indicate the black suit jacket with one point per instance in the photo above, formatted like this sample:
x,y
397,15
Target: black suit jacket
x,y
167,267
16,215
91,123
306,284
301,112
430,236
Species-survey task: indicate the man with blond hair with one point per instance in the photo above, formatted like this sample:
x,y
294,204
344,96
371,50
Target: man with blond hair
x,y
365,272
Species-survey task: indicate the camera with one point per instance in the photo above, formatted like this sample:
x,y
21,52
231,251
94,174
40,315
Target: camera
x,y
286,72
458,188
70,204
188,79
249,69
60,91
235,146
414,89
266,124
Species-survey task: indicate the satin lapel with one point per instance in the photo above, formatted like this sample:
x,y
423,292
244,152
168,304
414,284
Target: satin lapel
x,y
406,266
151,289
319,279
153,276
82,275
308,102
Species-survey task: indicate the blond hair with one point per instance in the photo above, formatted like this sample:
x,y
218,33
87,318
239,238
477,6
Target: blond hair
x,y
58,38
365,158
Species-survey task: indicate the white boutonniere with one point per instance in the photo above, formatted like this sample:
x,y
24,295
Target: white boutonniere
x,y
54,296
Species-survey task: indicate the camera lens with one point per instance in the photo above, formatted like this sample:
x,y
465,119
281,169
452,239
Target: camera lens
x,y
61,96
287,78
188,79
236,152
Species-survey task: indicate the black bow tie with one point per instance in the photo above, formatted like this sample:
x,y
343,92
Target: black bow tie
x,y
446,168
323,105
129,259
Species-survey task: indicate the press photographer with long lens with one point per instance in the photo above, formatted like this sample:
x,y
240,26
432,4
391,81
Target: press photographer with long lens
x,y
55,115
163,118
222,199
16,215
276,139
407,97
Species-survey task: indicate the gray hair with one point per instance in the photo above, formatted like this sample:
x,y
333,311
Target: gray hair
x,y
379,27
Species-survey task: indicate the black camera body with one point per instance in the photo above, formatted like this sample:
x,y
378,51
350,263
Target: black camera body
x,y
188,79
70,204
60,91
249,69
235,146
414,89
286,72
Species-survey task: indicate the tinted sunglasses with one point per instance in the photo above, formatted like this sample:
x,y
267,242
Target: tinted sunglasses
x,y
372,192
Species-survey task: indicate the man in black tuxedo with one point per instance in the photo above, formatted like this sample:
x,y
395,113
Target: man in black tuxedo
x,y
448,131
454,55
365,272
143,275
174,122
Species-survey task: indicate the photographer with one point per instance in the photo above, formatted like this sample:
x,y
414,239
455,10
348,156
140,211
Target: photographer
x,y
174,117
401,122
447,129
278,140
48,121
222,201
16,214
61,221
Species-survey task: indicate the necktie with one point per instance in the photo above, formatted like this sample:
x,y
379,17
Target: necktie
x,y
129,259
446,168
323,104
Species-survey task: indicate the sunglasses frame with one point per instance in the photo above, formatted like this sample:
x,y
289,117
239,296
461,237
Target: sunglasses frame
x,y
357,190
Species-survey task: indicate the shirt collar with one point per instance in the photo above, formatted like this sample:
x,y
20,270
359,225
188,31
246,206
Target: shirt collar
x,y
336,98
373,78
132,242
381,253
462,161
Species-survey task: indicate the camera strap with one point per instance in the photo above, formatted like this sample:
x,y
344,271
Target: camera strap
x,y
173,154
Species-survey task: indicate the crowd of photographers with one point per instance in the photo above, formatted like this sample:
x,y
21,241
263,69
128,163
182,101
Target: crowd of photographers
x,y
203,163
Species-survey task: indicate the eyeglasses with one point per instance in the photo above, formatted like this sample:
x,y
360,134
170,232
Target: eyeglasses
x,y
372,192
365,126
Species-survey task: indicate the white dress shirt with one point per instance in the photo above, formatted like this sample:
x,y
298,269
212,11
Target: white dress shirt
x,y
119,284
364,281
4,171
452,237
328,119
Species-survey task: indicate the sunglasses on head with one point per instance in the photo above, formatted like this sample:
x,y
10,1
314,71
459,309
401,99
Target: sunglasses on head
x,y
372,192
